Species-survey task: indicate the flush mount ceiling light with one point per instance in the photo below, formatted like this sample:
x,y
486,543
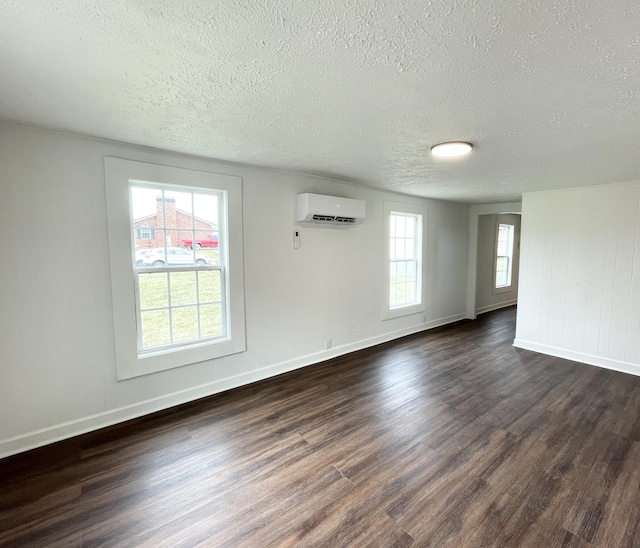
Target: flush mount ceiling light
x,y
452,148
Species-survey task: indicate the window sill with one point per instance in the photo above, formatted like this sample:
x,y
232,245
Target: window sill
x,y
403,311
499,290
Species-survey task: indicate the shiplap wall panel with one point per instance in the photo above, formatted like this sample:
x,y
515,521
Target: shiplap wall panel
x,y
576,292
600,206
626,223
534,279
558,225
610,225
580,275
546,270
633,327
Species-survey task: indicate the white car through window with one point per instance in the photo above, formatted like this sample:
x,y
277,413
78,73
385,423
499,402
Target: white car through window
x,y
173,256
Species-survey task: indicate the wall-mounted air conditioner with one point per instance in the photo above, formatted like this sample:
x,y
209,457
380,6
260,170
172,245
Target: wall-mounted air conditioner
x,y
329,210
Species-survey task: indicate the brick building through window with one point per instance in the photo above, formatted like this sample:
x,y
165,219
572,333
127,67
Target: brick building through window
x,y
150,230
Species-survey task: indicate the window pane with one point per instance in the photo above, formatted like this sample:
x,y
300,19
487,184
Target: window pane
x,y
206,239
393,272
180,238
399,252
173,238
411,227
206,244
183,288
402,271
153,290
170,256
209,286
178,210
400,293
210,320
184,323
409,249
146,203
209,256
502,271
400,226
206,211
155,328
411,271
147,217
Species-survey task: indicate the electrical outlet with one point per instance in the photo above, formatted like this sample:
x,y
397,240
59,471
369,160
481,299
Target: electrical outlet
x,y
328,343
296,240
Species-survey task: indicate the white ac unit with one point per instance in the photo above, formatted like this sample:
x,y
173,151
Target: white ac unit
x,y
329,210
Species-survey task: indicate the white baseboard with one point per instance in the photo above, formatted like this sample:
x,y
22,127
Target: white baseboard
x,y
589,359
58,432
497,306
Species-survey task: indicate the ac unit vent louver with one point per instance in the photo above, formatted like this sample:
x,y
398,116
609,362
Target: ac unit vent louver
x,y
323,218
319,209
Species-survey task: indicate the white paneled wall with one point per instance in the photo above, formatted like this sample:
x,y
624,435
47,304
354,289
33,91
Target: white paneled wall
x,y
579,292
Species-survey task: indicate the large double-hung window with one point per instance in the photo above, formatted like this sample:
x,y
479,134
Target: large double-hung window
x,y
179,285
175,238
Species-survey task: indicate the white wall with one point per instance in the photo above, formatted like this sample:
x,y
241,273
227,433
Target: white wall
x,y
57,365
579,292
487,298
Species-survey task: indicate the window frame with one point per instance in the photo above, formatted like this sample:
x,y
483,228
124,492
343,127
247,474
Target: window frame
x,y
221,266
419,213
120,175
510,256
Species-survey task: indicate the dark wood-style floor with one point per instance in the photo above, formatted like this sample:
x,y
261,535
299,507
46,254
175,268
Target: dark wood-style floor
x,y
447,438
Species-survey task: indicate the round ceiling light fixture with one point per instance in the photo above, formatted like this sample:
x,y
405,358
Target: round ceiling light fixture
x,y
452,148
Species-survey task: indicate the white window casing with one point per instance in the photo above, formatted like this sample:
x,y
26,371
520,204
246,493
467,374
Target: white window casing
x,y
131,362
404,272
503,258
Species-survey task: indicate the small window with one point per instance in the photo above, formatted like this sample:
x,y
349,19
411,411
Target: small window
x,y
144,233
403,280
504,256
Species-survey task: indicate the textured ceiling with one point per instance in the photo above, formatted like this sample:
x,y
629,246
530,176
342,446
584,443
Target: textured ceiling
x,y
548,91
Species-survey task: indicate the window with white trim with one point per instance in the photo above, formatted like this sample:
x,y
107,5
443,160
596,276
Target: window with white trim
x,y
175,302
179,290
504,256
403,279
404,282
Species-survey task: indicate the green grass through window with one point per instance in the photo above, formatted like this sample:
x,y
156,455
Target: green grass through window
x,y
194,310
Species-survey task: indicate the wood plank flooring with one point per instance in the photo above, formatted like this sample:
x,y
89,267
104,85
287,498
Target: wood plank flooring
x,y
451,437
